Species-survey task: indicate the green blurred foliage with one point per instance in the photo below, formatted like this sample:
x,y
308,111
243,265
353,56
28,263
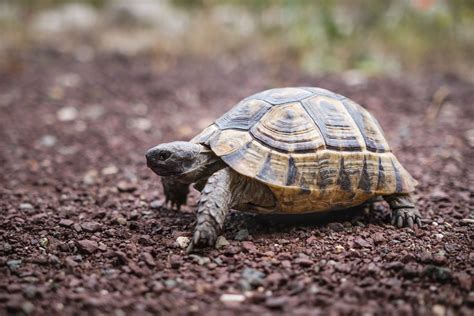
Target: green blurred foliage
x,y
372,36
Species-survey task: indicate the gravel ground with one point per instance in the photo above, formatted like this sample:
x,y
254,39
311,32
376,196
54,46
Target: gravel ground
x,y
82,230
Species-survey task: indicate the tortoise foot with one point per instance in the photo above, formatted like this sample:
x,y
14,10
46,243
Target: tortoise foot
x,y
204,235
406,217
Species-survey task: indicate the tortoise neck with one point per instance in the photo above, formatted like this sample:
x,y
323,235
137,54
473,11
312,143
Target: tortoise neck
x,y
205,165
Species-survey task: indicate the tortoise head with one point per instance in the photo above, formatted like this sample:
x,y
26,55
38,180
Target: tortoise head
x,y
172,159
184,160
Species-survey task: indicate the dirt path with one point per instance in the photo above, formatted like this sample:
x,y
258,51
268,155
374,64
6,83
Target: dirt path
x,y
81,230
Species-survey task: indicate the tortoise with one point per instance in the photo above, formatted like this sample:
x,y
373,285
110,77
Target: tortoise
x,y
288,150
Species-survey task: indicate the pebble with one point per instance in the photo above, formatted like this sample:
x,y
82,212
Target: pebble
x,y
7,248
232,298
439,237
242,235
91,227
337,227
464,280
66,223
182,242
253,277
249,246
304,262
221,242
67,113
175,261
44,242
48,140
121,220
200,260
156,204
87,246
362,242
439,274
13,265
109,170
26,207
126,186
467,221
339,248
439,310
77,227
276,302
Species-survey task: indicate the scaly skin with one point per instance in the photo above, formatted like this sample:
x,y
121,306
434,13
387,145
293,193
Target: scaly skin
x,y
225,189
404,211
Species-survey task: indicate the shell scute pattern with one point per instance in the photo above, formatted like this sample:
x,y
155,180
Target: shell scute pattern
x,y
288,128
315,149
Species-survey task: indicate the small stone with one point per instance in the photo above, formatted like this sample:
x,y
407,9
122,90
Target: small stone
x,y
242,235
77,227
48,140
437,273
121,256
156,204
304,262
7,248
276,302
27,307
182,242
249,246
425,257
121,220
232,298
102,246
26,207
87,246
439,237
378,238
467,221
464,280
221,242
439,310
200,260
126,186
13,265
66,223
337,227
91,227
170,283
438,195
31,291
67,113
253,277
109,170
339,248
175,261
44,242
311,240
362,242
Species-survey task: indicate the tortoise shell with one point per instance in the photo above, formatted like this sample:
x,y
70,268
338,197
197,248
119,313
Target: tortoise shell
x,y
315,149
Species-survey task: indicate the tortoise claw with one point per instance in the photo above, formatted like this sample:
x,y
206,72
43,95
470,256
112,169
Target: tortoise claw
x,y
406,217
204,235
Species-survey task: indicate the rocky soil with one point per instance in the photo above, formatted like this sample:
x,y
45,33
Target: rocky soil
x,y
82,229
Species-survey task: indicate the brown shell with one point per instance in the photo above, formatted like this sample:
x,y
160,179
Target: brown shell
x,y
315,149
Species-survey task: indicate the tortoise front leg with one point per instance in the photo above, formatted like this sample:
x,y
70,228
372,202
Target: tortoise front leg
x,y
216,201
175,192
404,211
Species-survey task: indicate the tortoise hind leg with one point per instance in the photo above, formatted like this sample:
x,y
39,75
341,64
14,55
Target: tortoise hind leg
x,y
404,211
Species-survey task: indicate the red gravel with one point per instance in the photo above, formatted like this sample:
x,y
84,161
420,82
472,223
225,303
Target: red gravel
x,y
81,231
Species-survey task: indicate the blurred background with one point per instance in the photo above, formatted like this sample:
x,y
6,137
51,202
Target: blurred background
x,y
353,38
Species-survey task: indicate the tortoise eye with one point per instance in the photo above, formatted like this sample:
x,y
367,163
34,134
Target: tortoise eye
x,y
164,155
